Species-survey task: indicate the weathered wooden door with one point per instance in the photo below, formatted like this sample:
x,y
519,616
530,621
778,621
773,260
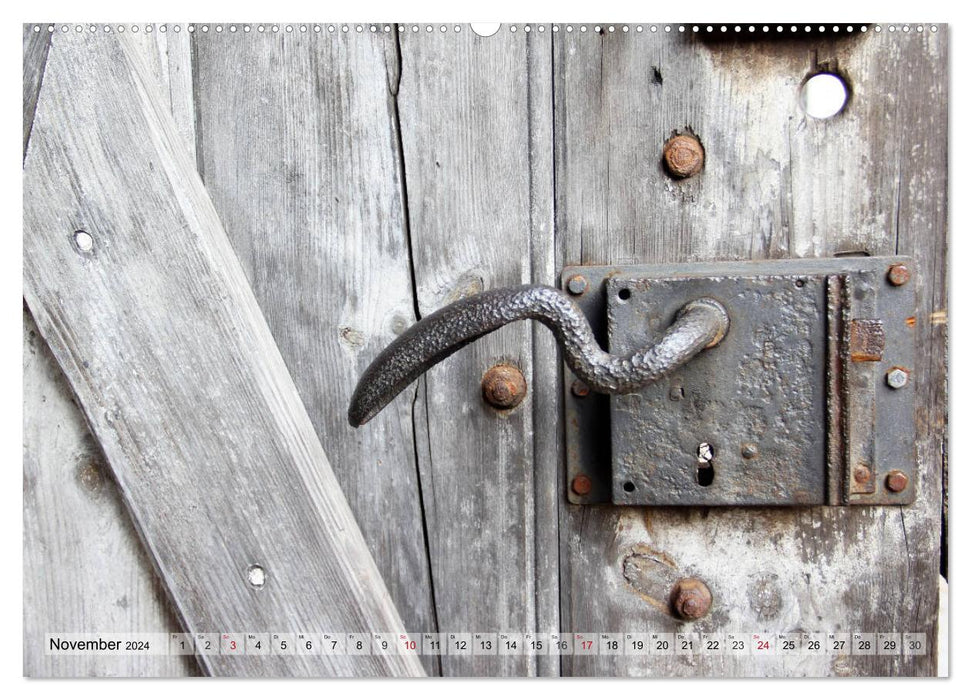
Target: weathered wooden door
x,y
224,224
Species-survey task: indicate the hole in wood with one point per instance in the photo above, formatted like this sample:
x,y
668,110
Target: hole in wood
x,y
256,576
84,241
824,96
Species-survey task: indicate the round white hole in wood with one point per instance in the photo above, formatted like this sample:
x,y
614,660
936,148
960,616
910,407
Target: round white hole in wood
x,y
256,576
84,241
824,96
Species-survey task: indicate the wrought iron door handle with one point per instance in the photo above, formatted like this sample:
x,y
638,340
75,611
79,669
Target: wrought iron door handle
x,y
700,324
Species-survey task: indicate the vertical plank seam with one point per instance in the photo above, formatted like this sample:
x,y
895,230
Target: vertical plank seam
x,y
532,665
943,568
535,270
557,264
555,666
406,222
194,64
399,142
421,503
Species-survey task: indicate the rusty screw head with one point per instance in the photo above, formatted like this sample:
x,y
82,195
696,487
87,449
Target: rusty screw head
x,y
577,285
581,485
898,275
579,389
862,474
503,387
897,481
684,156
750,450
690,599
897,377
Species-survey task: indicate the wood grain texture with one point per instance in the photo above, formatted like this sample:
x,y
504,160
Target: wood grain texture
x,y
84,568
164,344
546,394
168,56
300,152
36,45
776,184
478,193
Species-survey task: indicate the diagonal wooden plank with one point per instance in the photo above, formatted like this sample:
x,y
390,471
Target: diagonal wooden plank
x,y
479,189
36,45
307,182
84,567
175,368
776,184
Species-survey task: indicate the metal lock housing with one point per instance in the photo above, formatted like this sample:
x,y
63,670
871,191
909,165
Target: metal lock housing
x,y
807,400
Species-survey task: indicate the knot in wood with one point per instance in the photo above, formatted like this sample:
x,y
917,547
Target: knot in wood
x,y
684,156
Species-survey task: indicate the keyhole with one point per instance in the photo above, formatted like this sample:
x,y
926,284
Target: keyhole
x,y
706,470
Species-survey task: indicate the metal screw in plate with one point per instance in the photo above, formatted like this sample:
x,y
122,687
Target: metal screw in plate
x,y
750,450
577,285
581,485
897,481
897,377
579,389
898,275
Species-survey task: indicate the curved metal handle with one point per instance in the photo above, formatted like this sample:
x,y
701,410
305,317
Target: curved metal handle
x,y
700,324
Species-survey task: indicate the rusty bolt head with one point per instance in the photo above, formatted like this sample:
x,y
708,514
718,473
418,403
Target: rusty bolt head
x,y
577,284
898,275
684,156
897,377
862,474
503,387
750,450
897,481
581,485
579,389
690,599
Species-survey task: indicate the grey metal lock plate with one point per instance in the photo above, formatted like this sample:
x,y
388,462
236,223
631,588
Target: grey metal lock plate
x,y
807,400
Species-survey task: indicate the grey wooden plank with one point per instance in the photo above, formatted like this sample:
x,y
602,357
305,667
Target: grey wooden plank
x,y
84,568
299,151
775,184
547,403
168,57
476,199
177,373
36,45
